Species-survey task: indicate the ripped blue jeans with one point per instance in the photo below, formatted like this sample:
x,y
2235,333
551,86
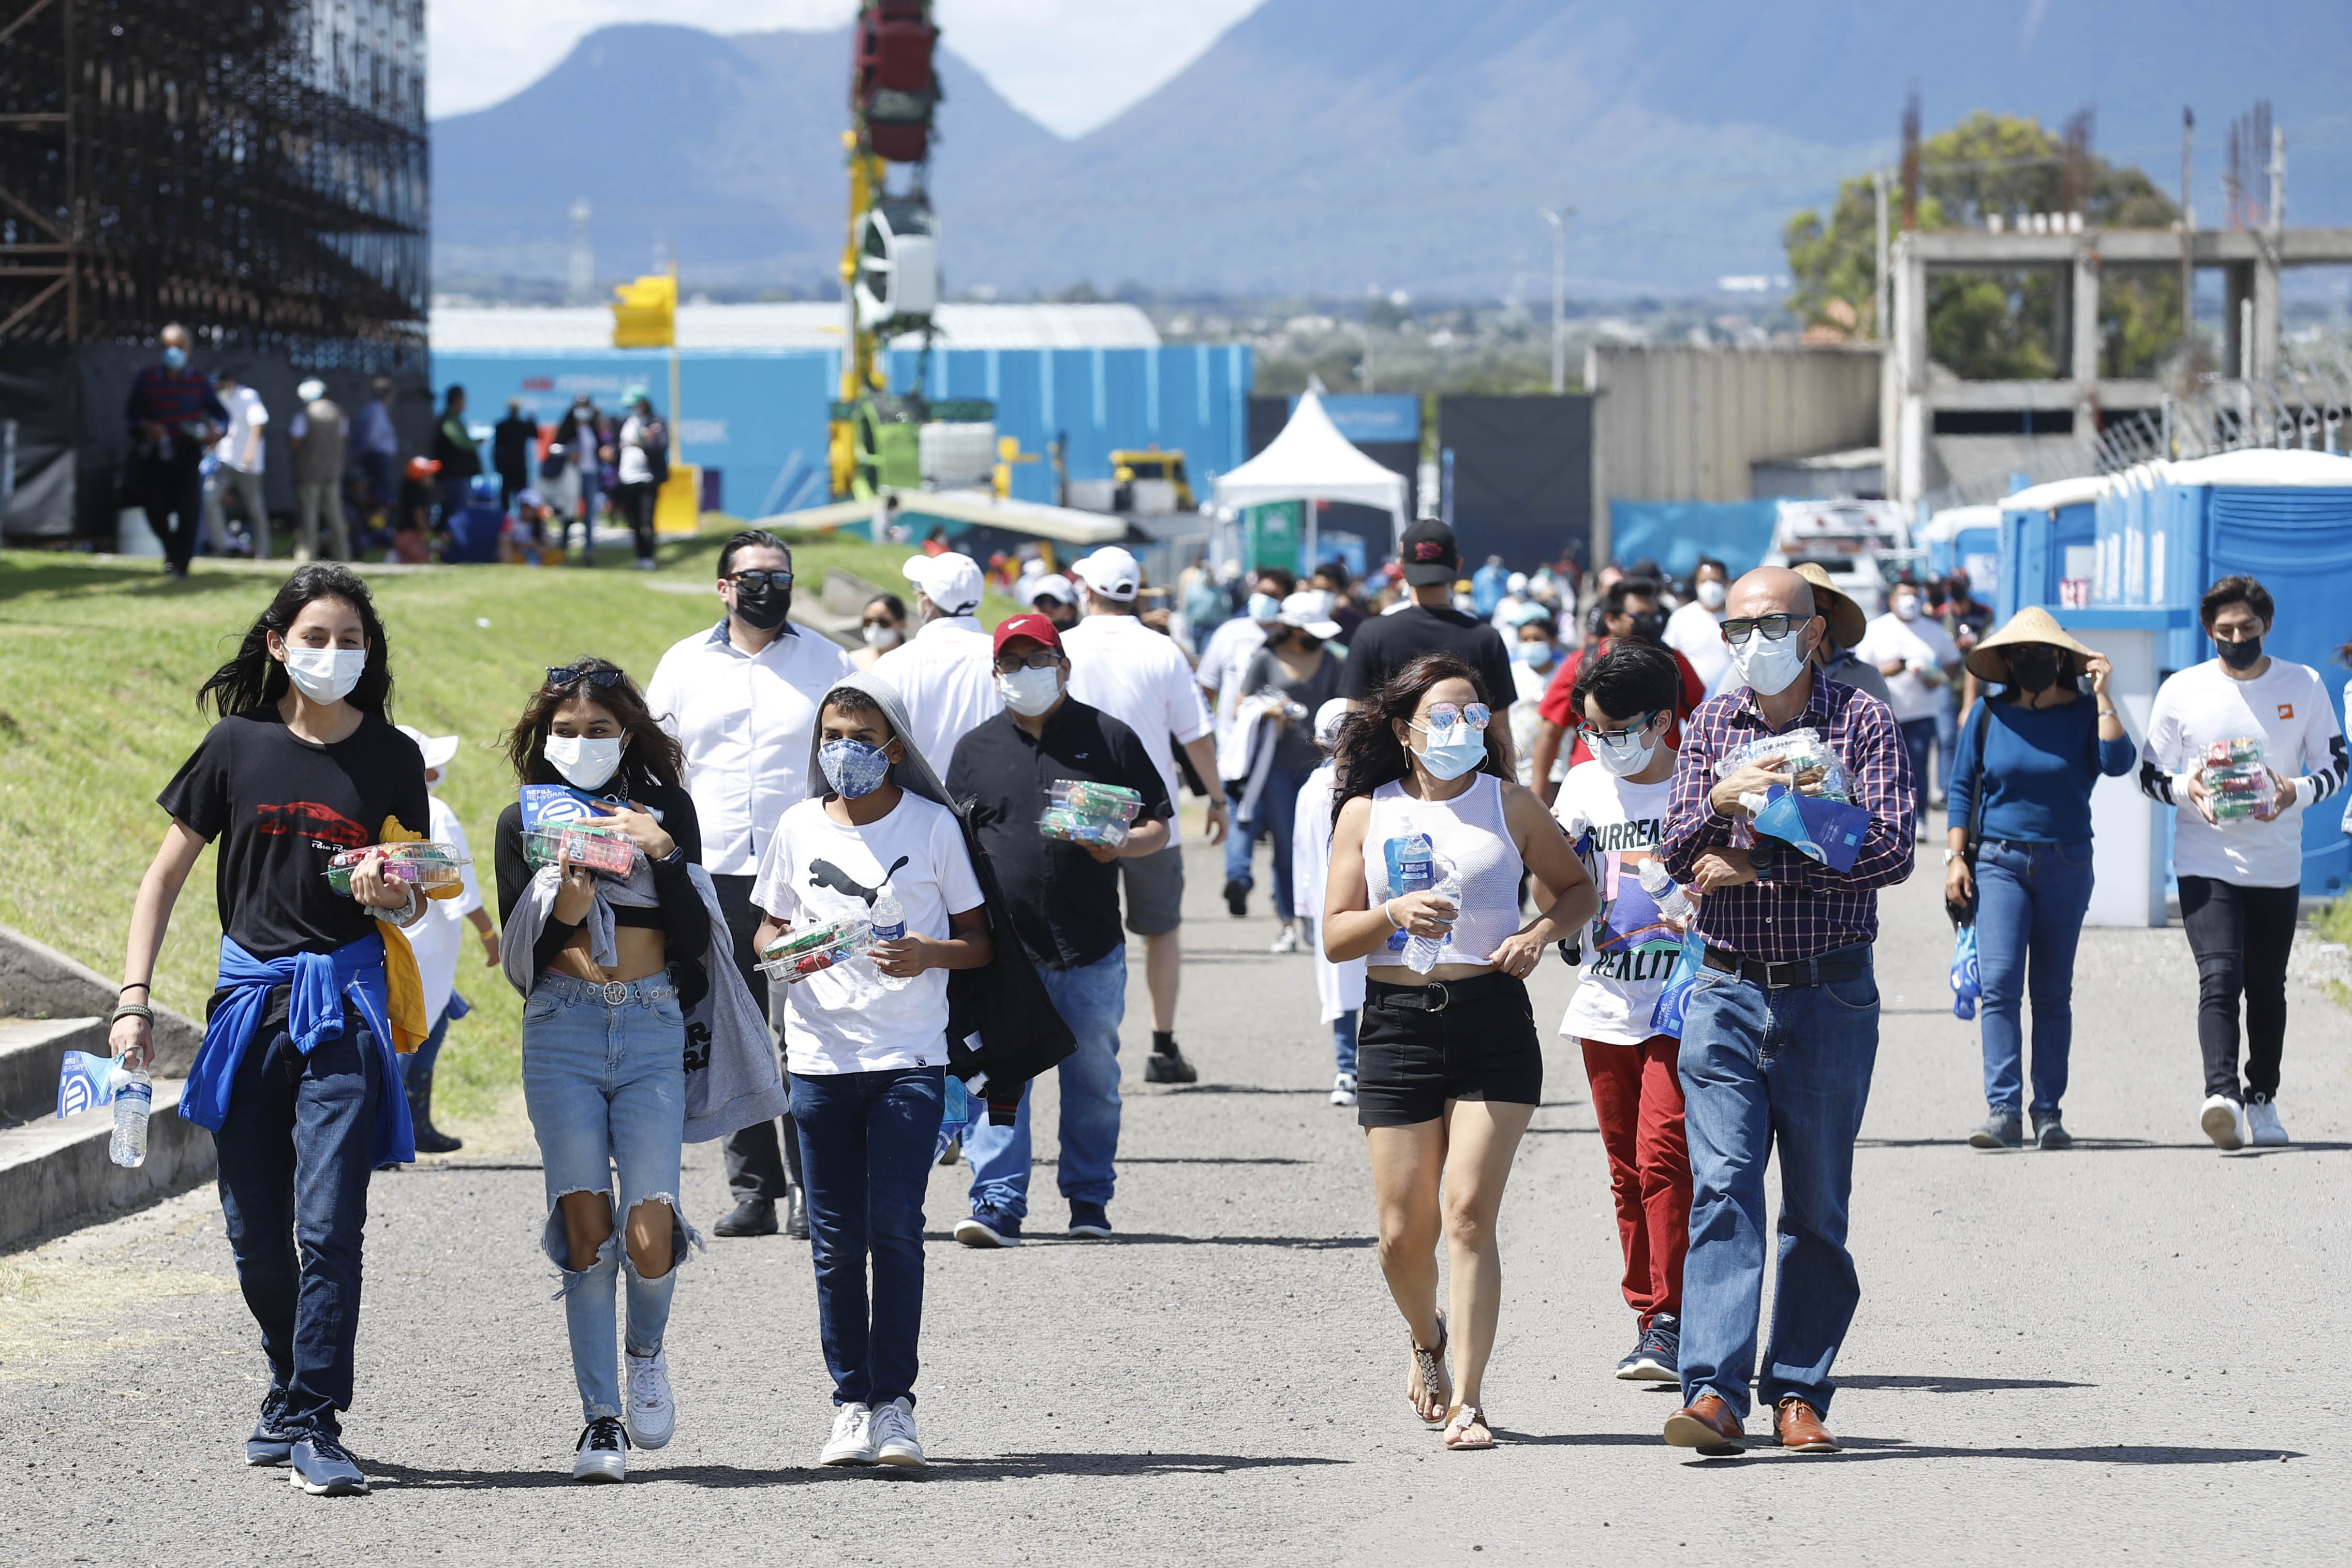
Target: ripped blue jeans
x,y
603,1075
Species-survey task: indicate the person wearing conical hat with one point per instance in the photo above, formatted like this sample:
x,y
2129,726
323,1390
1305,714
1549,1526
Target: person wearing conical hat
x,y
2020,853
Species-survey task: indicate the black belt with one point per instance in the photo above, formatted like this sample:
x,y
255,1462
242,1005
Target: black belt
x,y
1782,976
1434,997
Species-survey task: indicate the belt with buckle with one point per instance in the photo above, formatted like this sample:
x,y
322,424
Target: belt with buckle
x,y
614,991
1783,976
1435,996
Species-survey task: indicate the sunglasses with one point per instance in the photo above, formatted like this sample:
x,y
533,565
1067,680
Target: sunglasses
x,y
760,579
565,676
1445,715
1774,627
1044,659
1624,737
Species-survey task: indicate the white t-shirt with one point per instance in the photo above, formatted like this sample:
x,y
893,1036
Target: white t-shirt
x,y
246,418
842,1019
1137,677
637,468
1224,661
1921,645
1629,950
2290,710
1696,632
438,938
946,675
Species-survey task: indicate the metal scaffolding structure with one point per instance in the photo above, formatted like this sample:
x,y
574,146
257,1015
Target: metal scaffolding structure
x,y
256,172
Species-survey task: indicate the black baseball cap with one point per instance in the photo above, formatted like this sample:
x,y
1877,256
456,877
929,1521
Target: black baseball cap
x,y
1428,554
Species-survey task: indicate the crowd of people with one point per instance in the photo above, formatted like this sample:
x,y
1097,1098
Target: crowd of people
x,y
1453,775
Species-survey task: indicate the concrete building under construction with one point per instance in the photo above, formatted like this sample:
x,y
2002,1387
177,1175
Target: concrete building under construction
x,y
255,172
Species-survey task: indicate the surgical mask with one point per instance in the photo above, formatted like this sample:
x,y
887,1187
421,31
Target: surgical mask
x,y
2241,654
1621,758
1711,593
175,357
1906,606
325,675
853,768
881,635
1457,750
1534,655
1768,668
1264,608
2033,669
1030,692
763,608
584,763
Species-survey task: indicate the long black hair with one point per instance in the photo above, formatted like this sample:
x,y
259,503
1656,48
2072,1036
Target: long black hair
x,y
253,679
1367,753
652,755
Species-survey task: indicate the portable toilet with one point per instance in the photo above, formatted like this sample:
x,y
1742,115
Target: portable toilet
x,y
1967,538
2048,545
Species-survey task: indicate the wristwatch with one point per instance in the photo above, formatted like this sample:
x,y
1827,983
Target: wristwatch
x,y
1759,860
1950,855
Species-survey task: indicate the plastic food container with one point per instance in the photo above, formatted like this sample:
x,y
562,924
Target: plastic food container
x,y
2235,777
424,864
606,849
1078,827
1803,754
795,955
1101,802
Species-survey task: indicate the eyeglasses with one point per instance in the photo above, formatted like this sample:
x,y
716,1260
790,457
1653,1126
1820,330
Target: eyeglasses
x,y
1774,627
1044,659
759,579
1594,734
1445,715
565,676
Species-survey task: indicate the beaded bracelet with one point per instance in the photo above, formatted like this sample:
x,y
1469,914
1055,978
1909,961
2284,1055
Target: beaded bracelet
x,y
129,1010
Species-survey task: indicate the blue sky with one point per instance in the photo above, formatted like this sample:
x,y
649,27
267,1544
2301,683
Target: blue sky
x,y
1070,64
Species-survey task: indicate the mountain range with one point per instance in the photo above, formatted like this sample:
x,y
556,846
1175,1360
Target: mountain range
x,y
1334,145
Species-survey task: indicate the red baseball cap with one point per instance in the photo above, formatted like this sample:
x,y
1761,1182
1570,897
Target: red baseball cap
x,y
1036,628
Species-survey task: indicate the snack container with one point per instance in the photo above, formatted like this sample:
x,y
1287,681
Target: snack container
x,y
1098,801
2235,777
1078,827
606,849
796,955
425,864
1804,753
2245,751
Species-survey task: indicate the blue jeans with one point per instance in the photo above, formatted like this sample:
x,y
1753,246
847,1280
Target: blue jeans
x,y
1947,735
868,1140
2030,899
1092,1000
295,1155
1919,740
605,1085
1277,810
1343,1040
1759,1069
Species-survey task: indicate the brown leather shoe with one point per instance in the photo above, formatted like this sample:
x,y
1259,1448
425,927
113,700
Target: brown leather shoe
x,y
1799,1426
1707,1425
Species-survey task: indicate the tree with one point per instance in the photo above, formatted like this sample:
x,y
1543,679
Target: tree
x,y
1993,325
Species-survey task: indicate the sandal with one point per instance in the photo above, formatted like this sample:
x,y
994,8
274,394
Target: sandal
x,y
1433,1377
1464,1417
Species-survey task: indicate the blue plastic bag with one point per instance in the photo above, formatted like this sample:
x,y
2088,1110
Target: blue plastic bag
x,y
1966,978
955,1116
1830,831
1673,1003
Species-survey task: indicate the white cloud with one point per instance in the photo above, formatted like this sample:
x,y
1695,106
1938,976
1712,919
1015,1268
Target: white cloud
x,y
1071,64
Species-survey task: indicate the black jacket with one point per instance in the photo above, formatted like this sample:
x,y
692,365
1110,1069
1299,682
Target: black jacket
x,y
1020,1034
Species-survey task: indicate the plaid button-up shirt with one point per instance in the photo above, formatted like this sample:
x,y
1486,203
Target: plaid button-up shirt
x,y
1806,910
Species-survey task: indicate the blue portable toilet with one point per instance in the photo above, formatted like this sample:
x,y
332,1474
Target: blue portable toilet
x,y
2048,545
1967,538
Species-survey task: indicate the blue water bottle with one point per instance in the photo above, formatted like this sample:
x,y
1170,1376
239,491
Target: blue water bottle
x,y
1413,868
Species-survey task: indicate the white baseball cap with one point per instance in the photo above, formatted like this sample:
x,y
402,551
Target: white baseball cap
x,y
1110,572
312,390
439,749
1327,720
1309,610
1053,584
952,581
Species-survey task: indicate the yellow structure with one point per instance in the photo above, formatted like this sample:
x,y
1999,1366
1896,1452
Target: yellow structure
x,y
677,505
645,313
860,377
1008,453
1127,467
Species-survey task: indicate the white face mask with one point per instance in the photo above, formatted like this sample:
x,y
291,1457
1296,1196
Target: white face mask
x,y
1624,758
1030,692
880,636
584,763
1711,593
1769,668
325,675
1906,606
1264,608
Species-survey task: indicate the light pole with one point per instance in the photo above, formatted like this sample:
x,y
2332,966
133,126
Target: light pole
x,y
1557,218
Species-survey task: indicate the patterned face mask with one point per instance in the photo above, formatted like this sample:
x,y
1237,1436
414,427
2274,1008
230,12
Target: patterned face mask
x,y
853,768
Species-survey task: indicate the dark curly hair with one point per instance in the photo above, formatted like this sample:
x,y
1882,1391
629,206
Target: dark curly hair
x,y
1367,754
652,755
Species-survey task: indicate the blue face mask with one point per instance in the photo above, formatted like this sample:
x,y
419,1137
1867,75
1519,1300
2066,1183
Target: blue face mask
x,y
1264,608
853,768
175,357
1453,750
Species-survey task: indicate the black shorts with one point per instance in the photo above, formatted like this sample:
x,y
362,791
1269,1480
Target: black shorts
x,y
1418,1046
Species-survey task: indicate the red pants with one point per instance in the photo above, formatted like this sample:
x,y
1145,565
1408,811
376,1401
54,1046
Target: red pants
x,y
1637,1098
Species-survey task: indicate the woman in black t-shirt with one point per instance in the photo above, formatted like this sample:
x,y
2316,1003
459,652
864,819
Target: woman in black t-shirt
x,y
611,968
296,1079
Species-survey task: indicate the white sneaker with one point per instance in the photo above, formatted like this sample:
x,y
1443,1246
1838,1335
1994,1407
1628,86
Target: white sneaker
x,y
652,1413
893,1434
603,1452
2224,1121
2262,1117
1288,941
1343,1089
852,1438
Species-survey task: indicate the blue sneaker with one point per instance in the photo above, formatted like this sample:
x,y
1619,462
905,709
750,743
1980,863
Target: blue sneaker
x,y
323,1468
988,1227
271,1443
1090,1220
1658,1356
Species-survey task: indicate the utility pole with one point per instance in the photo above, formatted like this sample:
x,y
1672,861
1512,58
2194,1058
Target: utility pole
x,y
1878,300
584,257
2278,178
2189,355
1557,218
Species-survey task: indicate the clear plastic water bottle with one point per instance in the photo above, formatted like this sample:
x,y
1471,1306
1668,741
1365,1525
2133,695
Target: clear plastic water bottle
x,y
1672,901
1413,868
135,1097
1421,953
890,919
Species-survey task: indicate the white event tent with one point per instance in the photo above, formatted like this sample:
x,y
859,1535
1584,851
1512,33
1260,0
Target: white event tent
x,y
1311,461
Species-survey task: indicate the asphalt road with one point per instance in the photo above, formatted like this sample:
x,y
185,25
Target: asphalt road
x,y
2119,1354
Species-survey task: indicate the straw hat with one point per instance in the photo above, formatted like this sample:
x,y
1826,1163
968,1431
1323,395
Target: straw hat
x,y
2030,624
1847,623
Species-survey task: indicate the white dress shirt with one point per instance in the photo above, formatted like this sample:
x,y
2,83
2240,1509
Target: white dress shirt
x,y
1922,646
1141,679
946,674
745,721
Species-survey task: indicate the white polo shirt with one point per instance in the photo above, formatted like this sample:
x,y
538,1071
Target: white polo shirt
x,y
745,721
1141,679
946,673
